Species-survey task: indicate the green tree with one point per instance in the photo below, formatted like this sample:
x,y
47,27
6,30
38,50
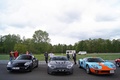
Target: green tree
x,y
41,36
115,45
21,48
1,44
9,42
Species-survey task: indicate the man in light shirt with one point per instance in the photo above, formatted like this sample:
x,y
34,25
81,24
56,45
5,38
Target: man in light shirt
x,y
51,54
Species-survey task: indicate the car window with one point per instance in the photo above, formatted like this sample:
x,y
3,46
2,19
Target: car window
x,y
95,60
24,57
59,58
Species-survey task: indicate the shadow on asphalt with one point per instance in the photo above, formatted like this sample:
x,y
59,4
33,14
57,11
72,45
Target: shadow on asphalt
x,y
18,72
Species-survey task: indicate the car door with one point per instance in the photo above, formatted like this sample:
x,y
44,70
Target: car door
x,y
84,62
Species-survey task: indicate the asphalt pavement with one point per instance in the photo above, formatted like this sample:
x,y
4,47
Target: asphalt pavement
x,y
40,73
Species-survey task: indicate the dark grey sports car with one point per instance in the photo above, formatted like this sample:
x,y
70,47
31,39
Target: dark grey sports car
x,y
60,64
23,62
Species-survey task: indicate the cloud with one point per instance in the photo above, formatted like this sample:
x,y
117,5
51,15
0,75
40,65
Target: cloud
x,y
67,21
69,17
106,18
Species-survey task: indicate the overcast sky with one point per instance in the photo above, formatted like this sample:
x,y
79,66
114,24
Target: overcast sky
x,y
66,21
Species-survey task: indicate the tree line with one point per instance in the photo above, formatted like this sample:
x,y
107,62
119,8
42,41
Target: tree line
x,y
40,43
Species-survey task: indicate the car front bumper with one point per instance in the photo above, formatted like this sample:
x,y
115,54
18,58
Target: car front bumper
x,y
112,71
23,68
64,70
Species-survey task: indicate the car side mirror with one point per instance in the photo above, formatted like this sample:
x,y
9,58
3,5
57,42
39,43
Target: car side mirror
x,y
34,58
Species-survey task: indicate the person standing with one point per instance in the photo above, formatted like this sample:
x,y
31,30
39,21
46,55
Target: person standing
x,y
74,57
46,57
68,56
16,54
30,53
51,54
27,52
11,55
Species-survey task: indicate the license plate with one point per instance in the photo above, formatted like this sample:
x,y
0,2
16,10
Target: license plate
x,y
16,68
111,71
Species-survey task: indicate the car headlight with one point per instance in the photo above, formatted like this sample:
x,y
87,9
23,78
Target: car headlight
x,y
52,66
96,66
28,63
113,66
9,63
69,66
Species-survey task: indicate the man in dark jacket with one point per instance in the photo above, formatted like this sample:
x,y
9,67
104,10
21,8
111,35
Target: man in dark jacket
x,y
74,57
68,56
46,57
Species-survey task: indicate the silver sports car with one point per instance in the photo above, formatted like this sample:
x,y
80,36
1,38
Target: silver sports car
x,y
60,64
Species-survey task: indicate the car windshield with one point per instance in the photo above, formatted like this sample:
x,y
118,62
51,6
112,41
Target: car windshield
x,y
24,57
95,60
59,59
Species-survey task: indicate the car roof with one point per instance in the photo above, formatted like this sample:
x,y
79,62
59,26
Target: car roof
x,y
25,54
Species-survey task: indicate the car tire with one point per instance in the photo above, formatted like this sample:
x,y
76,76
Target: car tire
x,y
71,72
30,69
88,70
48,71
118,64
9,71
79,65
36,65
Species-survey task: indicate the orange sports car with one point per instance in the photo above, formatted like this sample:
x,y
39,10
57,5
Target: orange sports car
x,y
96,65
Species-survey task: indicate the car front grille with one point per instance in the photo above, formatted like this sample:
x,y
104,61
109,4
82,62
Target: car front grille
x,y
58,67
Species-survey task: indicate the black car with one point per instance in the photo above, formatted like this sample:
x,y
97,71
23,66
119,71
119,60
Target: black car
x,y
23,62
59,64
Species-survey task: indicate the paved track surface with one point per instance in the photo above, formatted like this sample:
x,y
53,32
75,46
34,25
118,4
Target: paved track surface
x,y
40,73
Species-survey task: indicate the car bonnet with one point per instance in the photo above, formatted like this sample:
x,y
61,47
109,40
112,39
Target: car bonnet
x,y
60,62
20,61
